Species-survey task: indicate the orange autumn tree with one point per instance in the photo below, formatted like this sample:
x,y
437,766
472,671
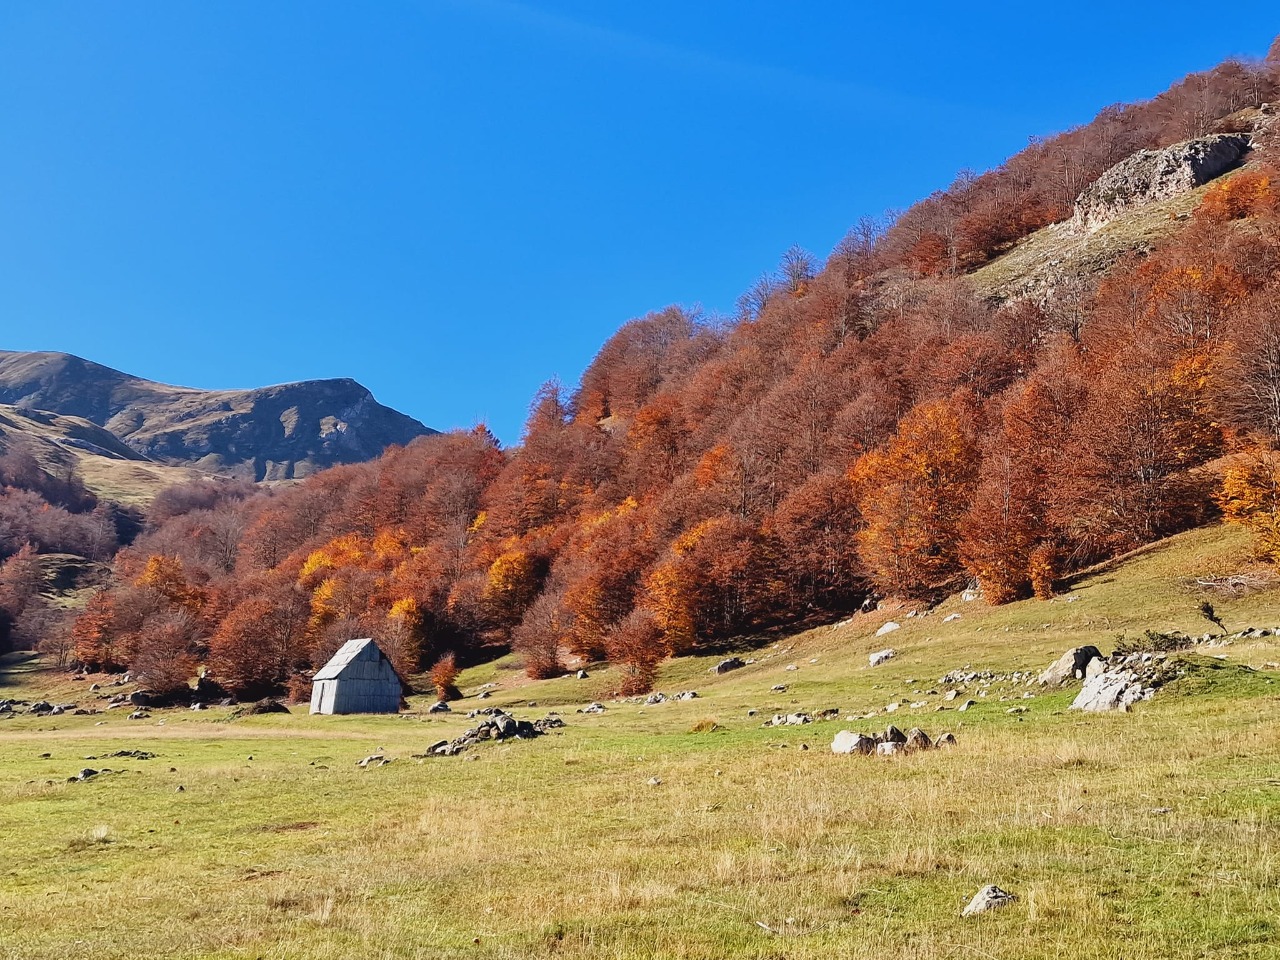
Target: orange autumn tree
x,y
1250,497
912,495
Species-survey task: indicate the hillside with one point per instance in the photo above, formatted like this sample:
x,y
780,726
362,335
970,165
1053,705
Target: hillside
x,y
270,433
109,468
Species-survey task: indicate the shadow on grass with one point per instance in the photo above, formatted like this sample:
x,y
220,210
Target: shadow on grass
x,y
15,667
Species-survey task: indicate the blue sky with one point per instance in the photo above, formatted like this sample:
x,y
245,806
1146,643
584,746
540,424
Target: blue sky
x,y
455,200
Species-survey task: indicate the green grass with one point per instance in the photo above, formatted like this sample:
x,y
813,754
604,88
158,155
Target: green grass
x,y
748,847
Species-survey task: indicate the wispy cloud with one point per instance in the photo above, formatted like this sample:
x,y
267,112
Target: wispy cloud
x,y
596,39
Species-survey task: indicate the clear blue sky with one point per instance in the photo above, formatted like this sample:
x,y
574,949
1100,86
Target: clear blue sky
x,y
455,200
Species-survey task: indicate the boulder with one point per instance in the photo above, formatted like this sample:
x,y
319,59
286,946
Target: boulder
x,y
1070,666
945,740
581,675
989,897
888,628
1114,689
966,705
890,748
847,741
917,739
881,656
729,663
892,735
439,707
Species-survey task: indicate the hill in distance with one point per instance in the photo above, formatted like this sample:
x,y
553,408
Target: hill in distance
x,y
279,432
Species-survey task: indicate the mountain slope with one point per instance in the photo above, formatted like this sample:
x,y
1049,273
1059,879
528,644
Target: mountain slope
x,y
271,433
110,469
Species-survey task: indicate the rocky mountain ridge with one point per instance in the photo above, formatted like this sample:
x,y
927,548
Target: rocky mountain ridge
x,y
279,432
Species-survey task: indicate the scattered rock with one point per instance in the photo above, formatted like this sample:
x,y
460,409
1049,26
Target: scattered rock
x,y
581,675
686,695
1016,710
989,897
791,666
653,699
139,715
966,705
439,707
890,748
951,618
85,774
789,720
654,781
497,725
950,695
1072,665
881,656
889,627
779,688
592,708
729,663
945,740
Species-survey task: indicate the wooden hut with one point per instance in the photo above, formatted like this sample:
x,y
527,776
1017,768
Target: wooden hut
x,y
358,679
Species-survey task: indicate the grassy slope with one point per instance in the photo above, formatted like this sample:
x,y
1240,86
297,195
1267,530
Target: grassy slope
x,y
124,476
561,847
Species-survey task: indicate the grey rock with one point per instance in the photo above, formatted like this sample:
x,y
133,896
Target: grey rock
x,y
917,739
847,741
1070,666
1115,689
881,656
439,707
989,897
581,675
945,740
1152,175
592,708
729,663
966,705
890,748
892,735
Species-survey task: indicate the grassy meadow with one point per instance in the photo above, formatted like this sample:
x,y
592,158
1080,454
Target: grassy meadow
x,y
686,829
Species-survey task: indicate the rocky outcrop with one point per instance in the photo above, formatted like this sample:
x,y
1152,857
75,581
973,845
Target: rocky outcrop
x,y
271,433
1121,681
1153,175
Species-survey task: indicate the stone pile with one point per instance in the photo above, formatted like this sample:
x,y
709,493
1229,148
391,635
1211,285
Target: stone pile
x,y
496,725
1119,682
890,742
